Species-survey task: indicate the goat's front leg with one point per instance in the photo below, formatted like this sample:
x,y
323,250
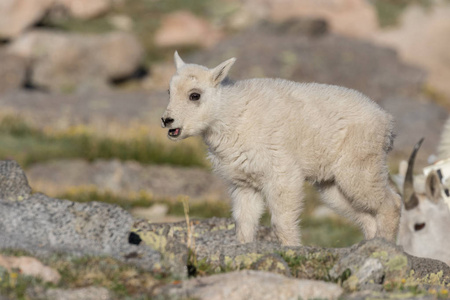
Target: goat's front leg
x,y
284,198
248,206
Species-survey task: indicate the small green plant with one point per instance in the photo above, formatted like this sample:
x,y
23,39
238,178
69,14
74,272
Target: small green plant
x,y
313,266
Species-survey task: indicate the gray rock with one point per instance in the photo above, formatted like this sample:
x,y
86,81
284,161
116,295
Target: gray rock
x,y
43,225
13,182
68,62
88,293
375,262
18,15
253,285
101,111
123,178
12,71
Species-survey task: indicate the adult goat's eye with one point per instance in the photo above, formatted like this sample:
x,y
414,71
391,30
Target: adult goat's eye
x,y
194,96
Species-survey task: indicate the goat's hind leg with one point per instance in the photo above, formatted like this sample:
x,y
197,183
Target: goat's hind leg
x,y
335,199
368,191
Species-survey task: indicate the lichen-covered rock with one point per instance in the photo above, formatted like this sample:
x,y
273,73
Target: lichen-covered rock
x,y
374,263
273,263
250,284
42,225
13,182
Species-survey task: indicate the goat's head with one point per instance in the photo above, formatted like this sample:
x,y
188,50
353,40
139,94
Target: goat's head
x,y
193,96
425,219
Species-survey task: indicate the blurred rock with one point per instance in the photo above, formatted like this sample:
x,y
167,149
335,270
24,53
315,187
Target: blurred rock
x,y
121,22
159,77
125,178
248,284
13,182
18,15
157,213
356,18
85,293
422,39
109,113
12,71
84,9
183,29
30,266
67,62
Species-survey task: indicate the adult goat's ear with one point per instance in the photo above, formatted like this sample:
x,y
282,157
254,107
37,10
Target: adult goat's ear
x,y
433,187
178,61
219,73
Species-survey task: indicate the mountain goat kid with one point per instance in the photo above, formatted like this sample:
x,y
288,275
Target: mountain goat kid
x,y
266,136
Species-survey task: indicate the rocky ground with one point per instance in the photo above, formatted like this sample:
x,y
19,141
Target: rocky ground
x,y
198,259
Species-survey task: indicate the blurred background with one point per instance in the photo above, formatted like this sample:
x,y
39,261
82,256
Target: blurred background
x,y
83,84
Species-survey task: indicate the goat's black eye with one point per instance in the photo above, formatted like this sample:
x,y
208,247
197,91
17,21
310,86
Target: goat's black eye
x,y
419,226
194,96
168,92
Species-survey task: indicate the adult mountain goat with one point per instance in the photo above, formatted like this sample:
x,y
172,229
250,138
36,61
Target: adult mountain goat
x,y
266,136
425,218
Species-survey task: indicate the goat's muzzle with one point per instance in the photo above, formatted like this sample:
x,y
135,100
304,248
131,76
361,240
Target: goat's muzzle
x,y
166,121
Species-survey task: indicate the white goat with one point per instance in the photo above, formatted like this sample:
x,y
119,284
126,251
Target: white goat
x,y
266,136
425,219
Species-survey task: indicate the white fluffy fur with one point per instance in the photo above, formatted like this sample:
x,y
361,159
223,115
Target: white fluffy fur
x,y
267,136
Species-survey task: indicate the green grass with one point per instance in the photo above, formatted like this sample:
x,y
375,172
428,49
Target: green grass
x,y
27,145
389,11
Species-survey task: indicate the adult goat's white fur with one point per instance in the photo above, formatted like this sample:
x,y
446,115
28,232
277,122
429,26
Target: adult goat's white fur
x,y
266,136
425,218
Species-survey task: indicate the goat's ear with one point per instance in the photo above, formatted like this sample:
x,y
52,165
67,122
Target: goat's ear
x,y
219,73
433,187
178,61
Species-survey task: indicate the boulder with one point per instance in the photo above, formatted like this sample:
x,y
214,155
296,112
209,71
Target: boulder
x,y
43,225
13,71
248,284
342,15
125,178
18,15
84,9
183,29
85,293
67,62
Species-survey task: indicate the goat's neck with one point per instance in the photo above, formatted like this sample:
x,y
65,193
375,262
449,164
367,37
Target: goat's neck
x,y
222,130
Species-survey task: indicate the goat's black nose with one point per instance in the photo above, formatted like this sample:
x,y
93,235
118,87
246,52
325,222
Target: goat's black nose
x,y
167,121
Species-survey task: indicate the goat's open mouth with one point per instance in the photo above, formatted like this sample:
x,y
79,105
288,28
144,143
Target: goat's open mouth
x,y
174,132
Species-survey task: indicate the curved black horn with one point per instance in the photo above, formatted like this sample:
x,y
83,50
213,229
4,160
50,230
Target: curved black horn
x,y
409,199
